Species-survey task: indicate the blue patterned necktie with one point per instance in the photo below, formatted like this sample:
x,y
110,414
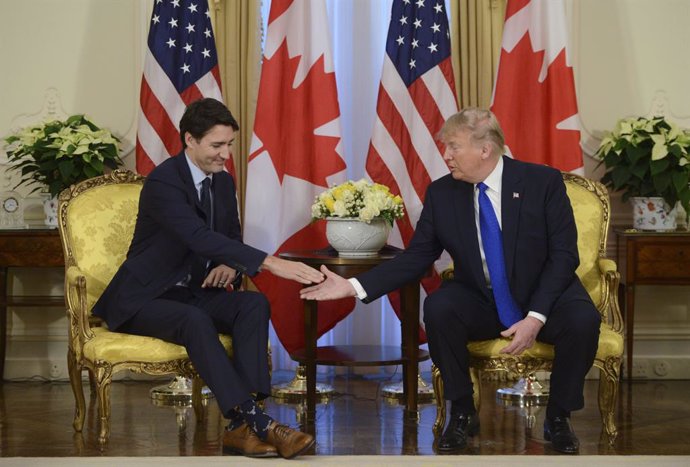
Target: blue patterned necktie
x,y
508,311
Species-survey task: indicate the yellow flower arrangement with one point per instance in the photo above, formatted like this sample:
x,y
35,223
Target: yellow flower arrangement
x,y
361,200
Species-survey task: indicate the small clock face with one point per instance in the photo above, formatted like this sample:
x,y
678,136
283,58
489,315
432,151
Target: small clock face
x,y
10,205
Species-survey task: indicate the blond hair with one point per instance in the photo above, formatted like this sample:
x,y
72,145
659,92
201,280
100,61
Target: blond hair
x,y
482,125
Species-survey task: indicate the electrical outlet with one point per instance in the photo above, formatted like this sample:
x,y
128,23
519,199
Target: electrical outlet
x,y
661,368
55,371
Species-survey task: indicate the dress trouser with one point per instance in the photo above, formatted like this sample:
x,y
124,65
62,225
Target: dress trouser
x,y
193,321
456,314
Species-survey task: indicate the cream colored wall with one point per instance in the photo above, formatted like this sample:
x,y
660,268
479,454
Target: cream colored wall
x,y
61,57
630,58
71,56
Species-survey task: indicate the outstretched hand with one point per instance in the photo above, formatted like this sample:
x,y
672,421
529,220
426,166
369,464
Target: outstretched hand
x,y
332,288
293,270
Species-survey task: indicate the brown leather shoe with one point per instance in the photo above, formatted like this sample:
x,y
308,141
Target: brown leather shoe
x,y
244,441
290,443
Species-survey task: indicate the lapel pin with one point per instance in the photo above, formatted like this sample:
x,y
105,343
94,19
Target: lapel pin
x,y
516,195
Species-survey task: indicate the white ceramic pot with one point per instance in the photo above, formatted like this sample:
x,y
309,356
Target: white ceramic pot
x,y
653,213
50,207
352,238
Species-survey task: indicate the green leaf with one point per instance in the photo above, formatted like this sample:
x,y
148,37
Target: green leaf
x,y
97,165
620,176
66,168
657,167
681,180
635,153
661,182
90,172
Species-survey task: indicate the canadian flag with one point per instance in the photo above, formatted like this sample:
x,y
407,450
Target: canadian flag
x,y
534,97
295,155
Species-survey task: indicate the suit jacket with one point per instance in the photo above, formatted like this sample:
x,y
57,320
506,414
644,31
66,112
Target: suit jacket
x,y
539,239
170,233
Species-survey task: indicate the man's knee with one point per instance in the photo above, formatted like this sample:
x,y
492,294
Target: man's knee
x,y
437,310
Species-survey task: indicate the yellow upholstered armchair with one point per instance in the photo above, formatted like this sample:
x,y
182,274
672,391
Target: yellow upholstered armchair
x,y
591,207
96,222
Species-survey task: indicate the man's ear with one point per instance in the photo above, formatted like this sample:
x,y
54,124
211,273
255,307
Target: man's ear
x,y
188,138
486,150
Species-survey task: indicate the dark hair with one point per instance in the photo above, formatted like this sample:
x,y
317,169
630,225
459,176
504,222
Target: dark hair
x,y
202,115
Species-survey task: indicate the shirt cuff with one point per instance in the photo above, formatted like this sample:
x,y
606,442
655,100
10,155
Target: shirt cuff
x,y
361,293
539,316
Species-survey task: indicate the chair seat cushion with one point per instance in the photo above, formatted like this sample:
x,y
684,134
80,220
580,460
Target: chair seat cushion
x,y
610,344
116,347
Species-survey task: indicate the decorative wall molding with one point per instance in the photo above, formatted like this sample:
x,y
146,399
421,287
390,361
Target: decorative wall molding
x,y
659,106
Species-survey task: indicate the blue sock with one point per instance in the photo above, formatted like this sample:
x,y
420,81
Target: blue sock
x,y
235,419
256,418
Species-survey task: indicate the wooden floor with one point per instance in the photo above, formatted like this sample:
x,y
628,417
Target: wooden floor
x,y
36,420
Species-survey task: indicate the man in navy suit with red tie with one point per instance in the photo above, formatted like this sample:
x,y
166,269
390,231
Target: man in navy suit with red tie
x,y
187,248
509,227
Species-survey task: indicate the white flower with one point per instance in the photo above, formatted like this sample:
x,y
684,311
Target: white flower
x,y
361,199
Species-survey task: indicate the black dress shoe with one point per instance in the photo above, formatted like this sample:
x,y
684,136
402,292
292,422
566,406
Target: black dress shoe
x,y
459,427
560,432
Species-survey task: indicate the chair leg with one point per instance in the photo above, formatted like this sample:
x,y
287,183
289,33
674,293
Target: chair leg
x,y
440,401
477,388
75,370
609,379
103,379
197,402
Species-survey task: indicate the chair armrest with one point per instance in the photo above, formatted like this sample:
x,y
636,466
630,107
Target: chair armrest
x,y
77,310
606,265
610,309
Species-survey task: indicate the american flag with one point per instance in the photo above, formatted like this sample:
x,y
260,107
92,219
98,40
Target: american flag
x,y
417,94
180,66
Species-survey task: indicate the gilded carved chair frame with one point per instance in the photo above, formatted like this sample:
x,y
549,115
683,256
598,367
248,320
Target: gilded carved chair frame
x,y
540,357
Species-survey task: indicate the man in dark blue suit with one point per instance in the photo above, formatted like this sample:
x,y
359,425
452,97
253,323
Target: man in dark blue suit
x,y
509,227
186,250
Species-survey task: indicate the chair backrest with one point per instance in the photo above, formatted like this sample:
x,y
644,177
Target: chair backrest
x,y
591,207
96,220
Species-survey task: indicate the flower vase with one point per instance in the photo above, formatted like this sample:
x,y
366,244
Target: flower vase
x,y
653,213
50,209
353,238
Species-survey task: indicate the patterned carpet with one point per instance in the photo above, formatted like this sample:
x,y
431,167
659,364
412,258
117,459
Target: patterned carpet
x,y
359,461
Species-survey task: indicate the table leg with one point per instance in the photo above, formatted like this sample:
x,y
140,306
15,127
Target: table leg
x,y
409,322
310,316
3,319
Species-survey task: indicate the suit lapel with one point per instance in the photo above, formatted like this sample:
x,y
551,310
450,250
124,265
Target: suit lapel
x,y
512,197
463,200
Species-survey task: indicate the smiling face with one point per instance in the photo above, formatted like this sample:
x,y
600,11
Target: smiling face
x,y
213,149
467,159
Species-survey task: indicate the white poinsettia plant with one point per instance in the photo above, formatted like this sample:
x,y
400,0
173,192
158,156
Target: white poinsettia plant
x,y
57,154
360,200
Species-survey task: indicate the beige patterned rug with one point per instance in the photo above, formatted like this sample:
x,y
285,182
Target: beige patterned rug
x,y
357,461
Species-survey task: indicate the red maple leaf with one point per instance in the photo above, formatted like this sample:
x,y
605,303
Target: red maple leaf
x,y
529,110
286,120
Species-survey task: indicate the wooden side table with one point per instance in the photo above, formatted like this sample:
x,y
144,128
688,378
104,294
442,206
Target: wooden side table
x,y
408,354
652,258
30,248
